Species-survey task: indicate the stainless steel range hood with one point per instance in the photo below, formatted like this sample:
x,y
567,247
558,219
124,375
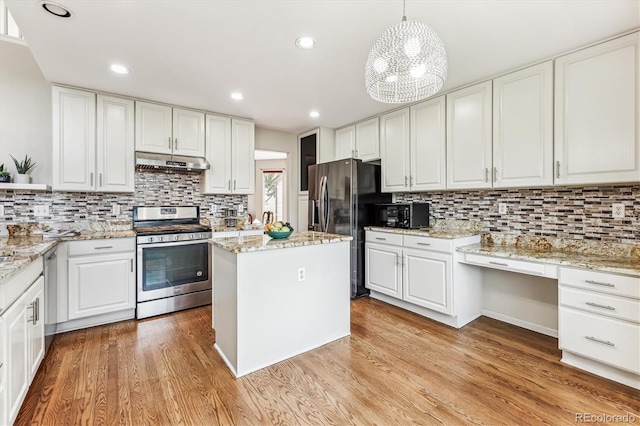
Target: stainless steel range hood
x,y
149,162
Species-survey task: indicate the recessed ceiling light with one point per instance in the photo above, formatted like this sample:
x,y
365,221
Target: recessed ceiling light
x,y
305,42
237,96
119,69
56,9
314,114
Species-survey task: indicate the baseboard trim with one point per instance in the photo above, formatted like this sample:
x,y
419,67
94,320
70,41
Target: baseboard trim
x,y
521,323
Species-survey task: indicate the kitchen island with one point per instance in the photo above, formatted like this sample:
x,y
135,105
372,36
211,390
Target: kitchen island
x,y
274,299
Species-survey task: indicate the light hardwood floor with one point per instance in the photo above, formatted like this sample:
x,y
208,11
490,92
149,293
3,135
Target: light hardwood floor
x,y
396,368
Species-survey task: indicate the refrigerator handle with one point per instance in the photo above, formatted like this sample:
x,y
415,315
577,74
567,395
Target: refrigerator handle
x,y
313,214
327,204
322,213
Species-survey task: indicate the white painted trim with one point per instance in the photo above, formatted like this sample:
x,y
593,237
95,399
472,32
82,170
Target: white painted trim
x,y
225,359
600,369
14,40
80,323
520,323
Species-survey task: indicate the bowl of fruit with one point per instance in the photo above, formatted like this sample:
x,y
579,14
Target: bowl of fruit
x,y
278,230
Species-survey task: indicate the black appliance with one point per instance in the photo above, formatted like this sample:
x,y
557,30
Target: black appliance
x,y
342,197
403,215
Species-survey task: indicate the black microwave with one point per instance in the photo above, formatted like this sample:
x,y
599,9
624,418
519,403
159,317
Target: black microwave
x,y
403,215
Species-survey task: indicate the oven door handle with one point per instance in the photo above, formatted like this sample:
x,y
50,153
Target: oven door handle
x,y
173,244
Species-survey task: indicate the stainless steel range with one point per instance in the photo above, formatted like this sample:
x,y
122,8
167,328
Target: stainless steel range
x,y
174,259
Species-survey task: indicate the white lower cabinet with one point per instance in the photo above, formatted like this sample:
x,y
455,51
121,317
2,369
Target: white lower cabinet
x,y
21,340
420,274
101,277
599,323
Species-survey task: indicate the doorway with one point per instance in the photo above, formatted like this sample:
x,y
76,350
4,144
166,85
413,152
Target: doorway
x,y
272,187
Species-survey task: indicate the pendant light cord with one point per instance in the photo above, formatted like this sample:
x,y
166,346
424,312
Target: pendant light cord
x,y
404,15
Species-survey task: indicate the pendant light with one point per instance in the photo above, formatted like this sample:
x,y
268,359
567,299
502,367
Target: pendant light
x,y
406,64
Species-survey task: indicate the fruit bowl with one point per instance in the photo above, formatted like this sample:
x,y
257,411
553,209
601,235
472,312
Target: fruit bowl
x,y
279,235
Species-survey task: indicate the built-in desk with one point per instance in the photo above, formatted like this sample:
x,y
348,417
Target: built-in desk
x,y
598,290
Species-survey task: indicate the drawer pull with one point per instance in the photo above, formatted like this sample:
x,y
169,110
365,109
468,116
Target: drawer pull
x,y
604,342
599,283
595,305
381,239
424,244
103,247
499,264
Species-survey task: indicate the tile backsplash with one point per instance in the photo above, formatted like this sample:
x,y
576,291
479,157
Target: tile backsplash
x,y
152,189
563,212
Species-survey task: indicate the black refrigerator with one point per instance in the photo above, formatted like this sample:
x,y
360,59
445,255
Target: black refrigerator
x,y
342,195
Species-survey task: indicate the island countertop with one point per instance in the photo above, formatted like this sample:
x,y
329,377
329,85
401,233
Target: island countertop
x,y
264,242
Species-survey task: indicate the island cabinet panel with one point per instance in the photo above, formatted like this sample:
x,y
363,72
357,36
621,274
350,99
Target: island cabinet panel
x,y
597,110
262,318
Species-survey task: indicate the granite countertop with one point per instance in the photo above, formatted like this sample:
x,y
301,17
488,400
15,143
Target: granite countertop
x,y
21,250
594,255
442,228
221,228
264,242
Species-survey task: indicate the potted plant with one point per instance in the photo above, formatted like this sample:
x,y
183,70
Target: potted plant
x,y
23,167
5,177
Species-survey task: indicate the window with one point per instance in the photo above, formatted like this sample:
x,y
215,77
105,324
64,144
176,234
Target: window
x,y
273,193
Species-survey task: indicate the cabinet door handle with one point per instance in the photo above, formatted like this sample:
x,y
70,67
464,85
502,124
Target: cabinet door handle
x,y
169,138
32,319
381,239
175,143
406,179
100,177
91,179
557,169
599,283
356,152
1,364
131,263
495,174
604,342
486,174
229,184
234,184
102,247
410,180
424,244
596,305
499,263
37,311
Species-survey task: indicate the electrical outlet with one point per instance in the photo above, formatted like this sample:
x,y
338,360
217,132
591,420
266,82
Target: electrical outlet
x,y
115,209
502,208
214,209
241,208
301,274
617,210
1,210
40,211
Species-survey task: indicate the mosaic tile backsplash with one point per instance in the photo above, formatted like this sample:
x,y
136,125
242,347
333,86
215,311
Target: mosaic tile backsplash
x,y
152,189
563,212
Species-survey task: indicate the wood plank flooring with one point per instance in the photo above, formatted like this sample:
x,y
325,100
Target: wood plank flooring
x,y
396,368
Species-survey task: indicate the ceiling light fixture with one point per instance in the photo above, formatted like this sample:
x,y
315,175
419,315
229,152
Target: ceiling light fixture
x,y
119,69
314,114
237,96
305,42
56,9
406,64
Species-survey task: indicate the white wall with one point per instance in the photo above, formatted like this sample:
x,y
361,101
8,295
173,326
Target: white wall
x,y
273,140
25,111
524,300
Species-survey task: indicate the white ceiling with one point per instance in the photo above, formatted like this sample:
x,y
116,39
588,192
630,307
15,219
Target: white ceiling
x,y
194,53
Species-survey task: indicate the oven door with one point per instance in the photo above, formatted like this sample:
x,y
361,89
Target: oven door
x,y
168,269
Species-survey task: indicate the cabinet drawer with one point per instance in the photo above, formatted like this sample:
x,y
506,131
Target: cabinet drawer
x,y
426,243
384,238
607,340
613,306
620,285
110,245
520,266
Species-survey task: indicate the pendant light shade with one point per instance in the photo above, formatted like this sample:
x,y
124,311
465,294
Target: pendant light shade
x,y
407,63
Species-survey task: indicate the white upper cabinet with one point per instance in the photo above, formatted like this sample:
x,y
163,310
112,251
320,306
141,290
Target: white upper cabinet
x,y
368,140
346,142
188,133
597,113
115,145
523,128
74,139
394,150
230,148
154,128
428,145
165,130
469,137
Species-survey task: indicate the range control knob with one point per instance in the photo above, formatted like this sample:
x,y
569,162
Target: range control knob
x,y
175,238
192,236
200,236
150,239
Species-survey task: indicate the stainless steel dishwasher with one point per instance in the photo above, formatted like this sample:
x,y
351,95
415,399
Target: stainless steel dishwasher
x,y
50,296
